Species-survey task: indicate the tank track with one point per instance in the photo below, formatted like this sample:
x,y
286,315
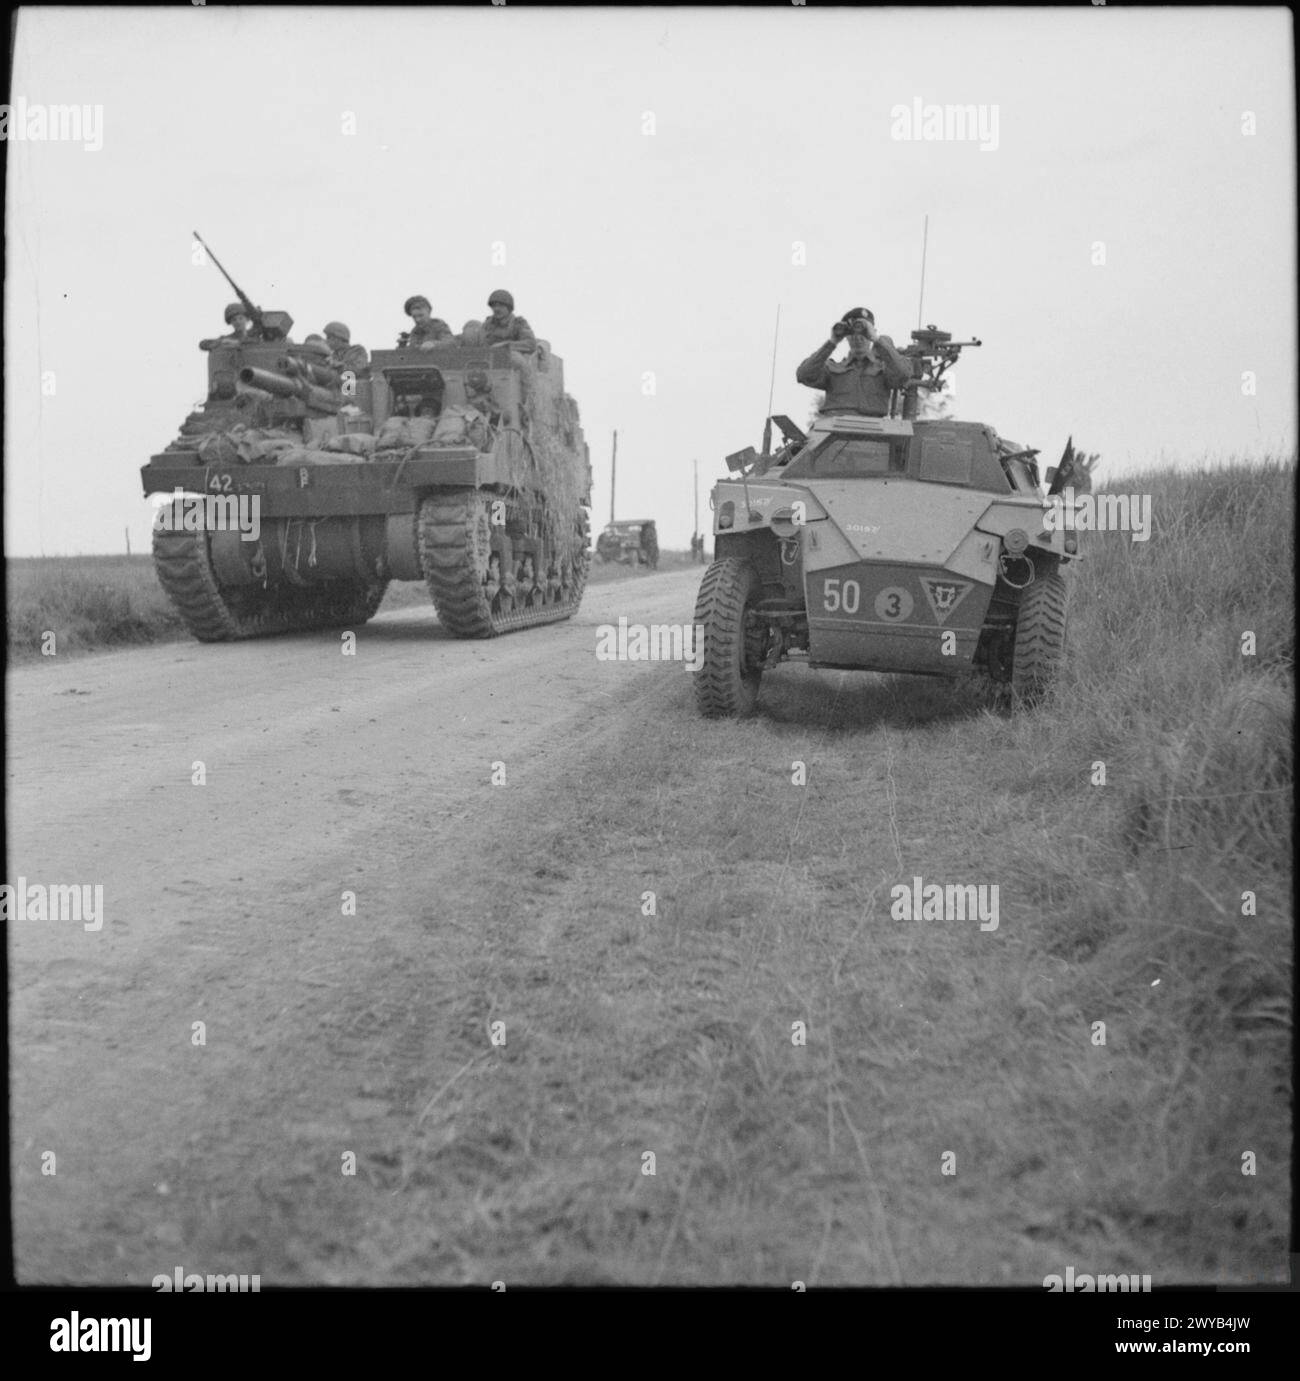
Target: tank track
x,y
454,535
212,615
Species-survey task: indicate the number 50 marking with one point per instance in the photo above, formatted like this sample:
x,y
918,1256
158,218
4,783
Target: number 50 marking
x,y
837,596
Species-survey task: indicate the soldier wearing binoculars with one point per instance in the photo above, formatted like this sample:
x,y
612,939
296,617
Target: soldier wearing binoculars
x,y
862,382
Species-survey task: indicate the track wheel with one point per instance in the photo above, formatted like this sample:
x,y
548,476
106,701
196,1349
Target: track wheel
x,y
576,562
455,539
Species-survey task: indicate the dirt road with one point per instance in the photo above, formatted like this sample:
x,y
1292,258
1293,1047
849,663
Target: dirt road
x,y
224,904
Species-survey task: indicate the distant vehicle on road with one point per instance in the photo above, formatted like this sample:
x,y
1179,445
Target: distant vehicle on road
x,y
631,542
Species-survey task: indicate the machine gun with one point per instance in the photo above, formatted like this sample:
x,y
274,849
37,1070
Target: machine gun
x,y
933,352
266,325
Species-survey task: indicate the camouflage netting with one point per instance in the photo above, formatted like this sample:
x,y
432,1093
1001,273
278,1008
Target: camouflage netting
x,y
551,477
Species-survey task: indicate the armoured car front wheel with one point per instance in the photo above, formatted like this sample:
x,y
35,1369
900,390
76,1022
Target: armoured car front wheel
x,y
1040,637
731,666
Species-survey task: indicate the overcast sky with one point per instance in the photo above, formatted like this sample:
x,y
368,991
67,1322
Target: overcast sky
x,y
660,181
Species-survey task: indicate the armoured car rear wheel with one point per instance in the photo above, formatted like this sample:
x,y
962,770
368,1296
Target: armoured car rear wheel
x,y
726,682
1040,637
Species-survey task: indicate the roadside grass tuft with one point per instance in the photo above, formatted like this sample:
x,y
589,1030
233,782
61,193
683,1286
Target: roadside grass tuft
x,y
88,603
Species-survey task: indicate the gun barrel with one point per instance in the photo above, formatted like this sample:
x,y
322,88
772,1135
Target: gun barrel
x,y
323,374
285,386
270,382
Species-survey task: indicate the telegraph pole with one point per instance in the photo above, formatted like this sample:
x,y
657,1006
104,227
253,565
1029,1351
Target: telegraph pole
x,y
613,471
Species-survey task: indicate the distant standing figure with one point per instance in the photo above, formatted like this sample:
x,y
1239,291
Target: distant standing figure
x,y
650,545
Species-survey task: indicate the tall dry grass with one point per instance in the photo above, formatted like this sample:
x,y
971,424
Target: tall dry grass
x,y
1167,889
87,602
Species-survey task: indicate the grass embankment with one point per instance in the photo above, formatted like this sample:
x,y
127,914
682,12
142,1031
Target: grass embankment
x,y
104,603
1120,903
89,603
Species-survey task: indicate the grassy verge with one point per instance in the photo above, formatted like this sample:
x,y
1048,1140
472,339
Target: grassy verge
x,y
87,603
1159,1144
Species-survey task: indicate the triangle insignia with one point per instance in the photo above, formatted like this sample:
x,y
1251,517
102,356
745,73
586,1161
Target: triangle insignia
x,y
944,595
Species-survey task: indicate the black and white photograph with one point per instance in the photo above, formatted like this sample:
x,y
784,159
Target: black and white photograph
x,y
650,648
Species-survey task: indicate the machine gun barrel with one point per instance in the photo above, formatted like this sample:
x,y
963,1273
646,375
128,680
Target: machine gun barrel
x,y
285,386
930,349
254,313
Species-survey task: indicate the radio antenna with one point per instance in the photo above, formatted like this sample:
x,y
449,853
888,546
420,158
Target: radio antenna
x,y
925,240
771,388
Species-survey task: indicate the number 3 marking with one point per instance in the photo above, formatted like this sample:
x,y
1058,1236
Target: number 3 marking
x,y
894,604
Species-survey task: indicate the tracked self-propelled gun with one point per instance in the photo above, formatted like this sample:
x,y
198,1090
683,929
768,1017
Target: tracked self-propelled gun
x,y
298,490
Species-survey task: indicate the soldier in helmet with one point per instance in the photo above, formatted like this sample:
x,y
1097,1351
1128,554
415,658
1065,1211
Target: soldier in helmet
x,y
236,317
343,354
503,327
428,330
478,394
862,382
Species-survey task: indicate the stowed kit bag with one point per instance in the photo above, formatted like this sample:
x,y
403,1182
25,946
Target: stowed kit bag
x,y
355,443
400,433
300,455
